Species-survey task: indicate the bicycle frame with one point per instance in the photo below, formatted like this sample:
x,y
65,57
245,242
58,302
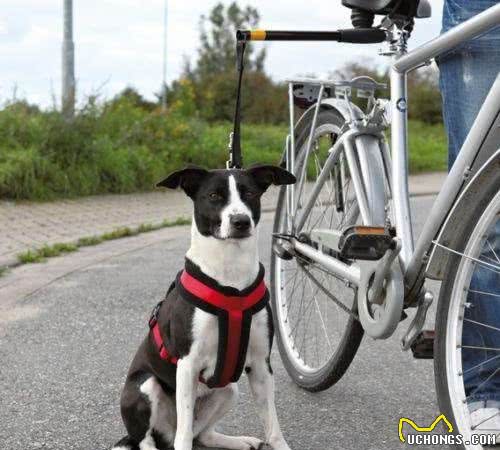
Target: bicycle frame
x,y
412,259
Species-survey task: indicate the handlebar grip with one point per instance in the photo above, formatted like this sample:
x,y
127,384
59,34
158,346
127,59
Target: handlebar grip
x,y
362,35
275,35
354,36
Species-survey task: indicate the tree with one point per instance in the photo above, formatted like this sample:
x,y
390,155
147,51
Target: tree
x,y
212,78
218,40
132,96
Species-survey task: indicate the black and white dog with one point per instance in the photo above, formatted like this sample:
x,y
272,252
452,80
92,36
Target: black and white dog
x,y
166,400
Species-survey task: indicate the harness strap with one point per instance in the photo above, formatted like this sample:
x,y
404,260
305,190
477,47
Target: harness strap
x,y
234,314
235,318
155,330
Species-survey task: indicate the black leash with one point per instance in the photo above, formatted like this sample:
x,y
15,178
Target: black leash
x,y
235,158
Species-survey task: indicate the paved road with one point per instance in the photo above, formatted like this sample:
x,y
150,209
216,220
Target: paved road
x,y
65,349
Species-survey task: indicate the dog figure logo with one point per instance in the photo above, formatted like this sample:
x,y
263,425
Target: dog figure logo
x,y
441,418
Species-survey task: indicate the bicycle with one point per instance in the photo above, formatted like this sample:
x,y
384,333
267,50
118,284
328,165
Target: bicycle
x,y
343,260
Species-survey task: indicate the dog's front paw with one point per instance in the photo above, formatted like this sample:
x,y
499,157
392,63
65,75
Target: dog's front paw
x,y
214,439
253,443
278,444
183,444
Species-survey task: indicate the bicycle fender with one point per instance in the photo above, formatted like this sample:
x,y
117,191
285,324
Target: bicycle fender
x,y
341,105
473,191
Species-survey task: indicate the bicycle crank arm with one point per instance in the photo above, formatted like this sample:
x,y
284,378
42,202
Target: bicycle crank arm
x,y
375,291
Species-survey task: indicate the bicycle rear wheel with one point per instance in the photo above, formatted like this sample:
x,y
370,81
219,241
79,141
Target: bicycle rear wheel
x,y
317,338
467,347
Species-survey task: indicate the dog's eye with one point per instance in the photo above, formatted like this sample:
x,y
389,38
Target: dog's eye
x,y
214,196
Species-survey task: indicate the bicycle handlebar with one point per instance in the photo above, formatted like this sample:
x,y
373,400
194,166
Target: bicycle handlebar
x,y
353,36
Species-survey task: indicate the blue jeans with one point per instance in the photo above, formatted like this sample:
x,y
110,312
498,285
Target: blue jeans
x,y
466,76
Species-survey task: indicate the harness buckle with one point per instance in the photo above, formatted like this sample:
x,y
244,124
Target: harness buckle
x,y
153,319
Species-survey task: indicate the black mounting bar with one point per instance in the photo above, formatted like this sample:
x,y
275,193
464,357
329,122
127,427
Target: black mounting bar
x,y
353,36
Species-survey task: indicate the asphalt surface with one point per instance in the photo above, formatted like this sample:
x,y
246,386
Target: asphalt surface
x,y
65,350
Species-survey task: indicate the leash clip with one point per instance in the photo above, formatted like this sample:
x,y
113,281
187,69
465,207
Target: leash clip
x,y
229,162
153,319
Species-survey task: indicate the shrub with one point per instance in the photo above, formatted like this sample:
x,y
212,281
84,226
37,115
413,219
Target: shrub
x,y
121,147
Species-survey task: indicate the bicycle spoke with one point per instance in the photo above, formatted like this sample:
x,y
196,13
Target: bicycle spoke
x,y
491,327
320,315
473,427
489,349
493,250
482,364
483,383
484,293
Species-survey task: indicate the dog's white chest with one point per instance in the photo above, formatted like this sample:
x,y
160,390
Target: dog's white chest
x,y
205,341
205,345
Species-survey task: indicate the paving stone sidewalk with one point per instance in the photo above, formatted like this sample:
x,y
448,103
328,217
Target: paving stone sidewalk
x,y
25,225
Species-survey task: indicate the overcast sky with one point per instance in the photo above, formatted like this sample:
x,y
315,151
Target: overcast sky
x,y
119,42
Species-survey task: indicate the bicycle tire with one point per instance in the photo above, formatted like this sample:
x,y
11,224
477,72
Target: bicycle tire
x,y
339,361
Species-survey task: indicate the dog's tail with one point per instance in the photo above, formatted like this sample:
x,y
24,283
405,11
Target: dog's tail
x,y
126,444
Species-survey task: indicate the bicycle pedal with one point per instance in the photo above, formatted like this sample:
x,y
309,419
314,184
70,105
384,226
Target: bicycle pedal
x,y
365,243
423,346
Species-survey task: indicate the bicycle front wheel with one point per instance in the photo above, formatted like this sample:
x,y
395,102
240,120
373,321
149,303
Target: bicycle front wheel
x,y
467,347
317,338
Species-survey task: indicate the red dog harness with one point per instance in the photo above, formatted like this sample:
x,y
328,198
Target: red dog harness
x,y
234,310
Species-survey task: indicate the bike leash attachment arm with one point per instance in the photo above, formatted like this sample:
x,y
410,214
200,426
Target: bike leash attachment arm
x,y
355,36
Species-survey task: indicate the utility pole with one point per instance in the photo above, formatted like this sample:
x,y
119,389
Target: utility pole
x,y
164,79
68,62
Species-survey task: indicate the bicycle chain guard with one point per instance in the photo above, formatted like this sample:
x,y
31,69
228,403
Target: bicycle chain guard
x,y
380,318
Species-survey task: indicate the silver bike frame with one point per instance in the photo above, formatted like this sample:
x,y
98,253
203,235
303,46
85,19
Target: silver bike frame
x,y
412,260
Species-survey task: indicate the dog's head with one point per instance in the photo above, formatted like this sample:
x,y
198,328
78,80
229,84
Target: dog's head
x,y
227,202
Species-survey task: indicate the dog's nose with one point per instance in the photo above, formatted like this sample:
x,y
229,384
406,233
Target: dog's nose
x,y
240,222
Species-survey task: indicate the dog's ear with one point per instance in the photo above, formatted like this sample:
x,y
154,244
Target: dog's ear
x,y
265,175
188,179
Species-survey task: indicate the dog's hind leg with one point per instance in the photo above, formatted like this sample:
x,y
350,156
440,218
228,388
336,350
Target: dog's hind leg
x,y
209,410
163,416
148,414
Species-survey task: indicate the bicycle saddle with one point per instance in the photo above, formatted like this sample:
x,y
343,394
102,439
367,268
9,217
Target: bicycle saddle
x,y
409,8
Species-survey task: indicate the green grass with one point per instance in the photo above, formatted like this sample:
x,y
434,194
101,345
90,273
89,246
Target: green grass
x,y
428,147
49,251
119,148
89,240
